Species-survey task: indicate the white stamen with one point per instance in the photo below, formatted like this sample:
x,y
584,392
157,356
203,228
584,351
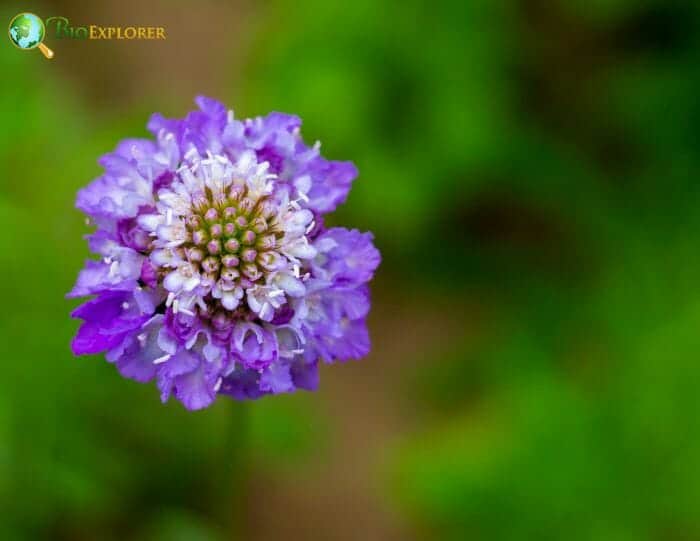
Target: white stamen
x,y
114,269
264,310
186,311
162,359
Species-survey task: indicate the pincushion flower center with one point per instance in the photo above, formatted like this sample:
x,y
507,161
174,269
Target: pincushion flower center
x,y
227,239
222,242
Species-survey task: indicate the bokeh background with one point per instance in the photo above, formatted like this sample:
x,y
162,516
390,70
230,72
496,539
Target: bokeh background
x,y
530,171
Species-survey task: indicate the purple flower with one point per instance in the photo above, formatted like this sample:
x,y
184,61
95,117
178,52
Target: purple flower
x,y
216,272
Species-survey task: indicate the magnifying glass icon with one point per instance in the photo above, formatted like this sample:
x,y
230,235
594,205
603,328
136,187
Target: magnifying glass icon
x,y
27,31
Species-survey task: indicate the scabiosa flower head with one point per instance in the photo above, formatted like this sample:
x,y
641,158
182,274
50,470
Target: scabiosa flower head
x,y
216,272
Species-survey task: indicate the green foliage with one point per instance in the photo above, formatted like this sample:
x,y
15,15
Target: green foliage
x,y
577,419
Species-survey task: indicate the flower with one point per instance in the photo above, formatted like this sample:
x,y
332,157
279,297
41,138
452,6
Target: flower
x,y
216,272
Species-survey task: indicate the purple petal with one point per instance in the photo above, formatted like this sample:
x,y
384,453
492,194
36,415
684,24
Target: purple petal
x,y
262,130
108,319
96,277
242,384
134,149
182,362
350,256
305,374
253,345
195,389
212,108
331,182
277,379
344,340
136,359
90,340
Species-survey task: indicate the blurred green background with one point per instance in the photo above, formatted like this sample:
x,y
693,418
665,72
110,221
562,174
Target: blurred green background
x,y
530,171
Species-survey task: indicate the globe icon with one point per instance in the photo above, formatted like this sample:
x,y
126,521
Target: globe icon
x,y
27,31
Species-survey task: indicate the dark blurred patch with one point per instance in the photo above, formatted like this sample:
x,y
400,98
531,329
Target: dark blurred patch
x,y
499,222
500,219
561,69
397,111
665,29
